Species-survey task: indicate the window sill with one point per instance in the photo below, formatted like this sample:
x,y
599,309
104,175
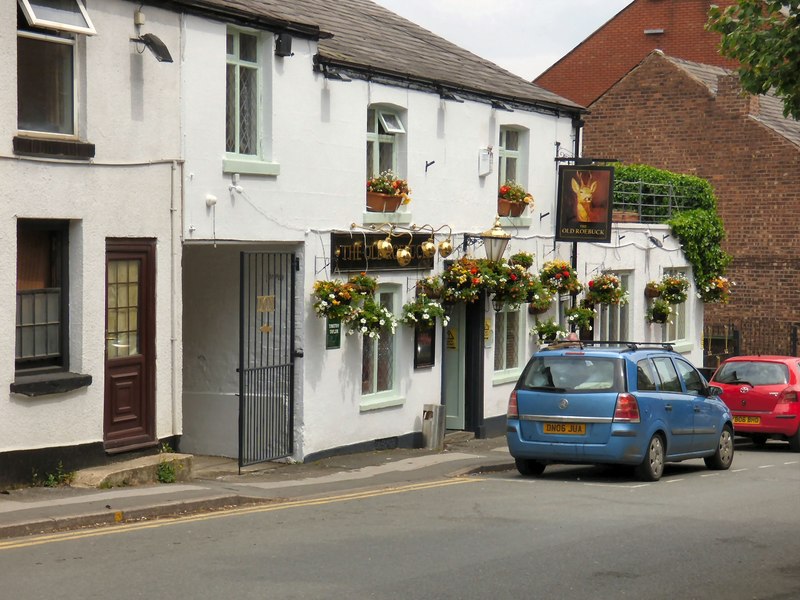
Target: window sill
x,y
53,148
395,218
681,346
250,167
516,221
503,377
378,401
42,384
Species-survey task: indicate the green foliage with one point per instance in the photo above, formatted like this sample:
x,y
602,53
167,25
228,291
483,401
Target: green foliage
x,y
59,478
764,36
548,331
514,192
167,470
582,317
701,233
659,311
424,311
651,187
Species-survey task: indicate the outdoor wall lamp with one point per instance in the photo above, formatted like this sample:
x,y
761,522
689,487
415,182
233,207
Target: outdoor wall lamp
x,y
150,40
495,241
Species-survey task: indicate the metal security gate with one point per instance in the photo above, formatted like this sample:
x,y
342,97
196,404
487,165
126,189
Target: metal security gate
x,y
266,356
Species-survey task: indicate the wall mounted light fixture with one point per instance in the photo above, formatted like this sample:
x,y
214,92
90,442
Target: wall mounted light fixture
x,y
150,40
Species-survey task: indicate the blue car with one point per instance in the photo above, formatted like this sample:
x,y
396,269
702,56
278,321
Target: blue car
x,y
619,403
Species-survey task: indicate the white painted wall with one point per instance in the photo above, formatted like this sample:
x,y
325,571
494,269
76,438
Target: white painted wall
x,y
130,189
316,133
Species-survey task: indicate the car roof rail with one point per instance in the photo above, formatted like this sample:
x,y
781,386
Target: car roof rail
x,y
629,345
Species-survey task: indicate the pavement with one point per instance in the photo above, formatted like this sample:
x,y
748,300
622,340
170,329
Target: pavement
x,y
127,491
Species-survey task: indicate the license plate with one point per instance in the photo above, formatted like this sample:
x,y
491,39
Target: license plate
x,y
565,428
747,420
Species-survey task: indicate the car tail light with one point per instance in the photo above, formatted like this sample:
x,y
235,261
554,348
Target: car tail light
x,y
513,410
627,409
787,395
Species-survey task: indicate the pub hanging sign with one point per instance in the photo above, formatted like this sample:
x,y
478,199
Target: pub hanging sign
x,y
359,252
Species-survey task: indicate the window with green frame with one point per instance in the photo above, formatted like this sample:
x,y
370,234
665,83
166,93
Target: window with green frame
x,y
612,322
508,152
675,329
378,355
384,127
507,339
243,87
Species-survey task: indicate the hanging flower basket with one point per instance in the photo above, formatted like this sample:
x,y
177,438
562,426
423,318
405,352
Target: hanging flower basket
x,y
548,331
560,277
372,319
674,288
424,311
716,289
582,317
606,288
659,312
431,286
523,259
363,284
334,300
652,289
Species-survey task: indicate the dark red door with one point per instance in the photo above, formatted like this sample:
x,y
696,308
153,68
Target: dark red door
x,y
130,345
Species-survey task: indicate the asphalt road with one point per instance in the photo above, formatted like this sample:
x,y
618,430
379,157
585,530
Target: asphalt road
x,y
576,532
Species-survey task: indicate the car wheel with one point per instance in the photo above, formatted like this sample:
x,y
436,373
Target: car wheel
x,y
794,441
723,456
529,467
759,439
652,467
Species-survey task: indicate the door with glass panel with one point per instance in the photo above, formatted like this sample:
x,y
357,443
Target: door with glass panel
x,y
129,345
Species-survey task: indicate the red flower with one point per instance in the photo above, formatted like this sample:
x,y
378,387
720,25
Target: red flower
x,y
473,270
513,277
558,275
504,189
476,281
566,273
591,283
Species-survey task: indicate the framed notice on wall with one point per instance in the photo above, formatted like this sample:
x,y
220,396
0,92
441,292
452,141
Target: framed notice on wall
x,y
583,207
424,346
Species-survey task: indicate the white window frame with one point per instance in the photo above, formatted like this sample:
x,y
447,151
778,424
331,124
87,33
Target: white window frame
x,y
613,321
392,124
67,41
235,161
679,319
508,373
33,12
390,397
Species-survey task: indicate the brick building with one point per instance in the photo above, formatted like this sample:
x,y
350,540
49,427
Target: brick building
x,y
693,118
674,26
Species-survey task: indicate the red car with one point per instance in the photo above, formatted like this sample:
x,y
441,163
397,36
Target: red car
x,y
763,393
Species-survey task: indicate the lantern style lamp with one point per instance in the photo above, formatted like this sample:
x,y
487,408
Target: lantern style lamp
x,y
495,241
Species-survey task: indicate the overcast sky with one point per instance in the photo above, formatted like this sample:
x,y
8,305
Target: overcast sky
x,y
522,36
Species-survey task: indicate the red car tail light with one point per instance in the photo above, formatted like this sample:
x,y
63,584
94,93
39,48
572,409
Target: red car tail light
x,y
627,409
787,395
513,410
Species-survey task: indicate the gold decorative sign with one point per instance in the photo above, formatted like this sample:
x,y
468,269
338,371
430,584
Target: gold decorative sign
x,y
266,304
265,329
359,251
487,329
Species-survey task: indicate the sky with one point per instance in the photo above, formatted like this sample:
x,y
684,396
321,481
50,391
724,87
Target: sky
x,y
522,36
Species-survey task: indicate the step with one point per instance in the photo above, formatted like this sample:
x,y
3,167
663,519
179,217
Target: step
x,y
137,471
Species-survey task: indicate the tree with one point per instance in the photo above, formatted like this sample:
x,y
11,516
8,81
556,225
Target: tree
x,y
764,36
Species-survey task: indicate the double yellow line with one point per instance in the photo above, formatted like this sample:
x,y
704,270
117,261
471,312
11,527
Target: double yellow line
x,y
261,508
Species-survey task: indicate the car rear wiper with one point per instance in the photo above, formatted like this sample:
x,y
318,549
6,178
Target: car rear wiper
x,y
732,381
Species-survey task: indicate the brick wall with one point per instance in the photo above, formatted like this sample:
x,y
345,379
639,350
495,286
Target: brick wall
x,y
659,115
618,46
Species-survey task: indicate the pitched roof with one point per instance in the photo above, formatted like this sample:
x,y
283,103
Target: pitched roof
x,y
371,40
770,107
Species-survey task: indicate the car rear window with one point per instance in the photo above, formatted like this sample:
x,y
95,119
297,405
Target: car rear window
x,y
572,374
753,372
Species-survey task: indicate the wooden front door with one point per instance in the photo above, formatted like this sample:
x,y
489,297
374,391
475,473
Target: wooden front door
x,y
129,421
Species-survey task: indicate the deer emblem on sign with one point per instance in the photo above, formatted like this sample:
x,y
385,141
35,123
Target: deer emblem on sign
x,y
584,191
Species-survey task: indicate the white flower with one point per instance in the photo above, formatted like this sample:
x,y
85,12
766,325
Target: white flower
x,y
382,322
363,320
426,316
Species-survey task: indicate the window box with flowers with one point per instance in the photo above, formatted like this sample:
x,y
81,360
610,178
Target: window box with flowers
x,y
606,288
559,276
512,199
386,192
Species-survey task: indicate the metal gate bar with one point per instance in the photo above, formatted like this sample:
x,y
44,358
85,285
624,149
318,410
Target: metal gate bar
x,y
266,356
